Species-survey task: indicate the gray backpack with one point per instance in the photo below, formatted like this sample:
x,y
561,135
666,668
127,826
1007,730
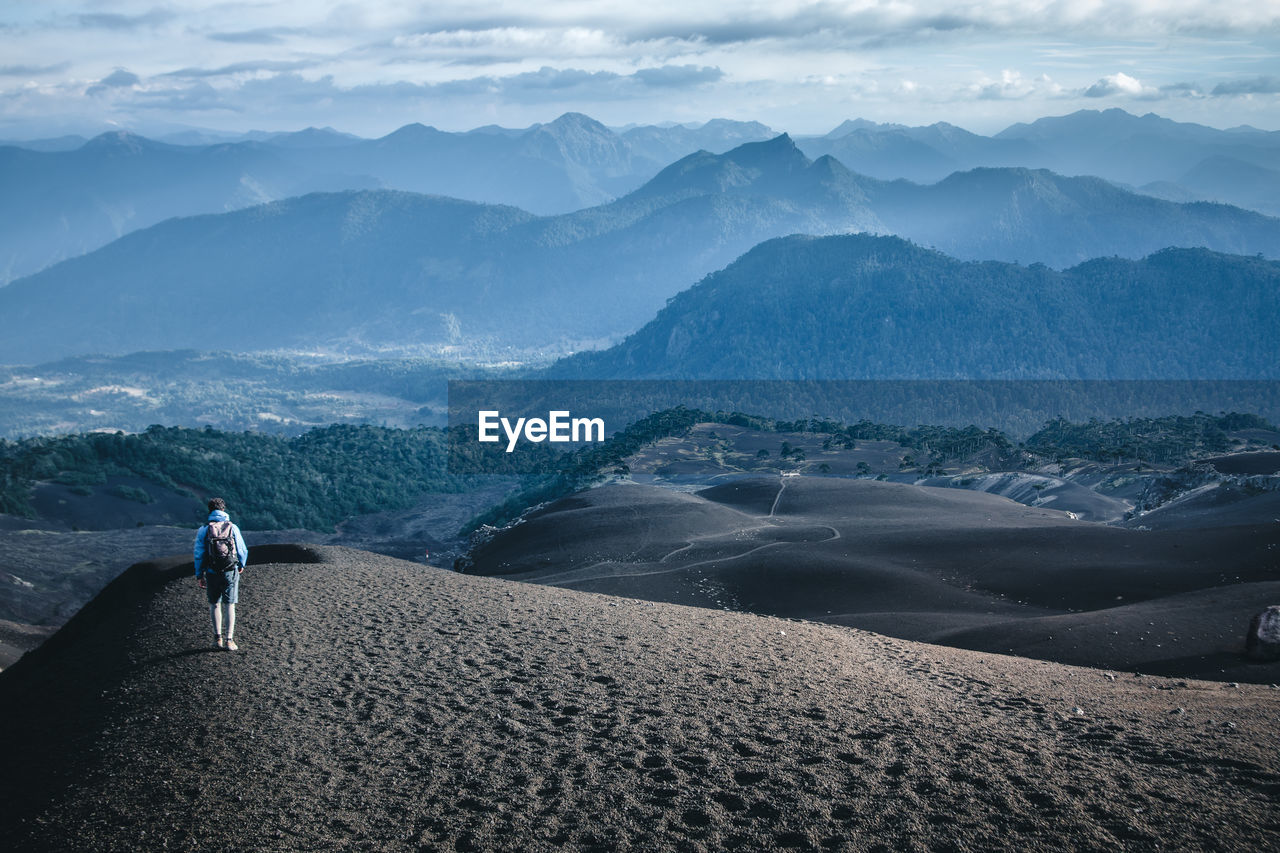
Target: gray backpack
x,y
220,548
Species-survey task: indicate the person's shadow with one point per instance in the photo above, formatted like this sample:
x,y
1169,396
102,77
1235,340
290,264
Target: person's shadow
x,y
185,653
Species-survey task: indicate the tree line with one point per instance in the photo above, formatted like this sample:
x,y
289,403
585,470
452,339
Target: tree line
x,y
311,481
327,474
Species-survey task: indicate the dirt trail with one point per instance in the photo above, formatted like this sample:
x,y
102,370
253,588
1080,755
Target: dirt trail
x,y
380,705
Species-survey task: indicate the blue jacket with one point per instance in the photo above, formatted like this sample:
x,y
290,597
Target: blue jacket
x,y
241,549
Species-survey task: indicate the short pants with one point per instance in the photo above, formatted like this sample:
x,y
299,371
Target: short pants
x,y
222,587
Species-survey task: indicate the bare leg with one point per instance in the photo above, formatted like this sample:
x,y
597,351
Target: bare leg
x,y
231,620
215,613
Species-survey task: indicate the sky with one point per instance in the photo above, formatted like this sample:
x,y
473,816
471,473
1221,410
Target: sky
x,y
368,68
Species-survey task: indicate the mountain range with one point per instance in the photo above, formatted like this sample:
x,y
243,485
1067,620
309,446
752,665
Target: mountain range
x,y
394,270
68,195
63,199
1178,161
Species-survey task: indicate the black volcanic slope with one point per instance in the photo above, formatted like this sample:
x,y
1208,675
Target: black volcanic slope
x,y
378,705
950,566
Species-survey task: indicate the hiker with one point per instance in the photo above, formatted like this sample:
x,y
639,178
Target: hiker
x,y
220,555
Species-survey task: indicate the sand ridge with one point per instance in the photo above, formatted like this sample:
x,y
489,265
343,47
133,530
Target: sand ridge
x,y
381,705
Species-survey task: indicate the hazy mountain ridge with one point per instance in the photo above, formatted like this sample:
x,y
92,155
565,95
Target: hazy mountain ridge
x,y
1120,146
1111,144
920,154
58,204
353,268
401,270
857,307
63,198
1037,215
78,196
1228,179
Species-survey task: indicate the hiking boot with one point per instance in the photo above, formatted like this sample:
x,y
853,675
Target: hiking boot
x,y
231,645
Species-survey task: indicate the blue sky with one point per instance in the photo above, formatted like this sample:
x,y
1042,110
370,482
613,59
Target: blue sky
x,y
368,68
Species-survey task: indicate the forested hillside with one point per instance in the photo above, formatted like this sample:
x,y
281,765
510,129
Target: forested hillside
x,y
860,307
312,481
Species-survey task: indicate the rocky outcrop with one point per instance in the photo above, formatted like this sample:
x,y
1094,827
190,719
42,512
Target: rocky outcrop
x,y
1263,640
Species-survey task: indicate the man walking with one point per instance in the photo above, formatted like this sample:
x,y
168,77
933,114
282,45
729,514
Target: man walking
x,y
220,556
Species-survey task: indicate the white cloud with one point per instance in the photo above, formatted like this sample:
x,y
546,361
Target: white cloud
x,y
512,42
1012,85
1119,84
119,21
773,60
242,68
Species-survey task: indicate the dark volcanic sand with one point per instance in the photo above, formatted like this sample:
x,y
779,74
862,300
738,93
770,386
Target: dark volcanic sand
x,y
48,570
937,565
380,705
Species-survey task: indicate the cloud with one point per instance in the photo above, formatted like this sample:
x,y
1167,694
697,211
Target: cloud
x,y
552,84
1182,90
118,79
510,42
1012,86
200,97
1124,85
1118,84
1265,85
249,67
547,85
263,35
678,76
32,70
879,25
791,62
827,23
554,29
547,78
116,21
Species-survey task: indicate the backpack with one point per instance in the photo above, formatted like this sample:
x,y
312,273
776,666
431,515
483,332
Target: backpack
x,y
220,548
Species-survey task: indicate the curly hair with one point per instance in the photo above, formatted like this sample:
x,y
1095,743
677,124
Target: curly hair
x,y
217,503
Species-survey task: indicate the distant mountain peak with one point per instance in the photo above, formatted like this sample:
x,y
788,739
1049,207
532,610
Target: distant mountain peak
x,y
495,130
779,150
576,122
119,141
580,140
752,168
753,127
312,130
827,167
946,130
1114,121
849,126
573,117
313,137
781,142
410,132
574,128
